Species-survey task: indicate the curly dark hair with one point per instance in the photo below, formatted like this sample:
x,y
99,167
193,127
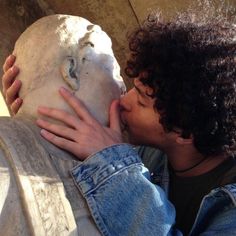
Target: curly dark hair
x,y
191,67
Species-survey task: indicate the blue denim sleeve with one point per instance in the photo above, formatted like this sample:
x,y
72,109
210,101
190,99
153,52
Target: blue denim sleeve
x,y
120,196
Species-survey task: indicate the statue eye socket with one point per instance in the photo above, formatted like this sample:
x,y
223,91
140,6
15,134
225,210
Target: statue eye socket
x,y
89,44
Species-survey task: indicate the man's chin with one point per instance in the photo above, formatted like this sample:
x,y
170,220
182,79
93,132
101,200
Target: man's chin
x,y
132,140
125,136
128,137
123,127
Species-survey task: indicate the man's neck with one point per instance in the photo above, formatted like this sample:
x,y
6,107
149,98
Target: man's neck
x,y
189,162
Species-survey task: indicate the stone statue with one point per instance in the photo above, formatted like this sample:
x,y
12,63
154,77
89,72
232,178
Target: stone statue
x,y
38,196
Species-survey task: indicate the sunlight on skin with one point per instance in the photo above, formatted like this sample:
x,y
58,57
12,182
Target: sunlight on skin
x,y
3,107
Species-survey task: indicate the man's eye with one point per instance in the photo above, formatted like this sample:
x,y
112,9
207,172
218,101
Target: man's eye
x,y
141,104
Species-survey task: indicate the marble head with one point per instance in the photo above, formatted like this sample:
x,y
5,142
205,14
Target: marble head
x,y
69,51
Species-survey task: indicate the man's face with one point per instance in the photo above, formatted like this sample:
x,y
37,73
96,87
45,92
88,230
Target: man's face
x,y
140,118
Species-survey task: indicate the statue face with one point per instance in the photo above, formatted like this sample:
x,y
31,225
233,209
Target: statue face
x,y
69,51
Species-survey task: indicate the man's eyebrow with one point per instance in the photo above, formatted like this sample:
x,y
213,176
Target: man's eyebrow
x,y
142,93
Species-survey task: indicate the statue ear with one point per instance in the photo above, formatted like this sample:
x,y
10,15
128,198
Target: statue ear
x,y
69,72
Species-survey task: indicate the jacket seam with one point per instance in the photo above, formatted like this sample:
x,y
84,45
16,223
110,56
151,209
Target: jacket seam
x,y
77,183
232,197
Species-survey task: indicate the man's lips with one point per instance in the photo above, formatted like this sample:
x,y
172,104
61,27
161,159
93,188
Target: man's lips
x,y
124,124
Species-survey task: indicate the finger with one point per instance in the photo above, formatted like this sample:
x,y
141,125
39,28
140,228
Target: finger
x,y
61,142
9,62
12,92
115,116
15,106
60,130
9,77
78,106
60,115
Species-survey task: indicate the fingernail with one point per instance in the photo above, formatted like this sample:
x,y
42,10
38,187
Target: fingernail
x,y
44,132
17,82
14,69
64,90
18,100
11,57
39,122
41,108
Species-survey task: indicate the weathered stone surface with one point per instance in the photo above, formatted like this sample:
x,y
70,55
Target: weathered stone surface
x,y
38,196
171,8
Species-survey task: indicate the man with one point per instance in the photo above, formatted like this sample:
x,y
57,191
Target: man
x,y
183,103
38,196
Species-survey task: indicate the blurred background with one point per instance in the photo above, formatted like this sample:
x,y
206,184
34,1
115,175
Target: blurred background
x,y
116,17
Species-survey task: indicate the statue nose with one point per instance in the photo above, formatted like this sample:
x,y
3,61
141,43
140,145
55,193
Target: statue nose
x,y
122,87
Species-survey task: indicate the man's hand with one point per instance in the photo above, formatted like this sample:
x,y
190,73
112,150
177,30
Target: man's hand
x,y
11,86
82,135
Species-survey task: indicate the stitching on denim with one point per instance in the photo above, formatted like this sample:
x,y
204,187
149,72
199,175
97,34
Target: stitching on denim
x,y
231,193
96,215
109,177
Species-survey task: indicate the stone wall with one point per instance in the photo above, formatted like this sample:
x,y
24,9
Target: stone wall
x,y
15,16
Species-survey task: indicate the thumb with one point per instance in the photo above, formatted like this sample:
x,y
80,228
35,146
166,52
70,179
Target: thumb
x,y
115,116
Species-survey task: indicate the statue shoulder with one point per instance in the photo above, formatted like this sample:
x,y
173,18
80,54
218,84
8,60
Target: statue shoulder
x,y
33,183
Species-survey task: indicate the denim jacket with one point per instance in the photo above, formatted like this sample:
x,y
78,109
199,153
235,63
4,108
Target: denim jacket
x,y
123,200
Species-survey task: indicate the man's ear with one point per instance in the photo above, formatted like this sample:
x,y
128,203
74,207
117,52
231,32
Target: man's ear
x,y
69,72
183,141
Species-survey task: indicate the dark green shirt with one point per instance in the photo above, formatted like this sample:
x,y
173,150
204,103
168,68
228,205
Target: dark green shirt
x,y
186,193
